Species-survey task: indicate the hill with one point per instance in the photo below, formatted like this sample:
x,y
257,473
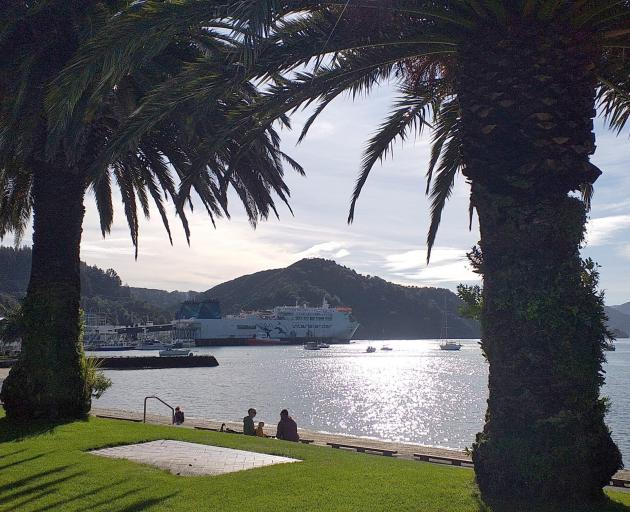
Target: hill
x,y
618,321
624,308
102,291
384,310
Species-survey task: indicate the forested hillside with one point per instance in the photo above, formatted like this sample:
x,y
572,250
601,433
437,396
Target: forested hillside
x,y
384,310
102,291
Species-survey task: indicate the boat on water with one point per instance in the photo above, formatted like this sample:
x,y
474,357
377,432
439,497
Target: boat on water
x,y
311,345
609,346
175,352
446,343
202,322
386,348
152,345
321,344
370,349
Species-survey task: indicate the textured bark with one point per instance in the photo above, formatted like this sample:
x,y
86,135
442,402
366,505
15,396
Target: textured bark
x,y
527,100
49,379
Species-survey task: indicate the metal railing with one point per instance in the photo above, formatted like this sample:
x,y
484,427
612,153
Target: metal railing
x,y
144,416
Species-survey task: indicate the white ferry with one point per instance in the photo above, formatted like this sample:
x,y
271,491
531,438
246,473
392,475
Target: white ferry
x,y
203,322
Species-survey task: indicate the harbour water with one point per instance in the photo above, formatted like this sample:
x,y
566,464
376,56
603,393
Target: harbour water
x,y
415,393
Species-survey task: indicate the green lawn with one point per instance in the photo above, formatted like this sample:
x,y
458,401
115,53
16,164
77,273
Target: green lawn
x,y
46,468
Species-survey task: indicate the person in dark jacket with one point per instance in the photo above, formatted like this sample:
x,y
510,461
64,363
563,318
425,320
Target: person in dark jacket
x,y
287,427
178,418
248,423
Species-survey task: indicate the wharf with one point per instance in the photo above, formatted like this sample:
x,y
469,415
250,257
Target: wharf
x,y
153,362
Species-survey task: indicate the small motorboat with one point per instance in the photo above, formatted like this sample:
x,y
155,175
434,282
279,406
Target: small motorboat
x,y
311,345
386,348
151,345
370,349
450,345
321,344
175,352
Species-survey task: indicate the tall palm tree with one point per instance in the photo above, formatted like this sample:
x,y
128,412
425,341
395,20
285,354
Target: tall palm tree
x,y
510,90
46,171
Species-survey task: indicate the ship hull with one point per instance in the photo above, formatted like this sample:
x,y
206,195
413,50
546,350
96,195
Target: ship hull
x,y
235,342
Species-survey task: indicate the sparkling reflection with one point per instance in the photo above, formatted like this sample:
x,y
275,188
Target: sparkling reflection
x,y
415,393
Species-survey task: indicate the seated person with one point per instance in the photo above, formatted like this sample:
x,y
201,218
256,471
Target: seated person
x,y
259,430
248,423
287,427
178,418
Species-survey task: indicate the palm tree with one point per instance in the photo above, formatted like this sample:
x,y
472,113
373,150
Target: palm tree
x,y
510,90
46,171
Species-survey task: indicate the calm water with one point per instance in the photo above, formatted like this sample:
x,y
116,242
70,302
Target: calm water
x,y
414,393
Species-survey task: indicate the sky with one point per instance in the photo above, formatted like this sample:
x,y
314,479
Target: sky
x,y
388,235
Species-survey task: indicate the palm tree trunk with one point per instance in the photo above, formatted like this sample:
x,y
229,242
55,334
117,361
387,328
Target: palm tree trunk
x,y
49,378
527,102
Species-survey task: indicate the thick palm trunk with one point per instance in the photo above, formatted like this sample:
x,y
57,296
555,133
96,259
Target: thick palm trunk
x,y
527,102
49,379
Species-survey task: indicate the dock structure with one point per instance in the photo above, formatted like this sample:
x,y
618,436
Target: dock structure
x,y
154,362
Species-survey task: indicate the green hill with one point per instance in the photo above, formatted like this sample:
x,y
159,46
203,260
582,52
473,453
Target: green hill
x,y
102,291
384,310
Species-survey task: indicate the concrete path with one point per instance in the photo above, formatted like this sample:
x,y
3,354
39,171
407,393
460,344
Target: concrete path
x,y
405,450
192,459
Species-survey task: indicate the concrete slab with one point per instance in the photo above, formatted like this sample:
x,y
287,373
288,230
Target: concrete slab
x,y
192,459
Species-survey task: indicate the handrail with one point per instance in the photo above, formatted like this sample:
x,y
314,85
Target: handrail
x,y
144,417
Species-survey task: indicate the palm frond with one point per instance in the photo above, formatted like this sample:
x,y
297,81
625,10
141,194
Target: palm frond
x,y
448,139
409,115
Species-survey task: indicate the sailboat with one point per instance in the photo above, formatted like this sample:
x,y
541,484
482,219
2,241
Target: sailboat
x,y
446,343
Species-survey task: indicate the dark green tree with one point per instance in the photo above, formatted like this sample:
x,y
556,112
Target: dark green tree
x,y
47,166
510,90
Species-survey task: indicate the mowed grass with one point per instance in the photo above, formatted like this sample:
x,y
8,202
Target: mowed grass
x,y
44,467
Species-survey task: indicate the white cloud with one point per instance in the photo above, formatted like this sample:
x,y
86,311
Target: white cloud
x,y
448,265
602,231
416,259
325,250
439,274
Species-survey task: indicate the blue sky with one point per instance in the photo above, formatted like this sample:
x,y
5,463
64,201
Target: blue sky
x,y
388,236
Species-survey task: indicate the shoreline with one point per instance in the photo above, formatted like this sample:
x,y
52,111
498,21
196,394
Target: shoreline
x,y
405,450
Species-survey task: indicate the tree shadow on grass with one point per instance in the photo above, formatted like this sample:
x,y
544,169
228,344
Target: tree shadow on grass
x,y
605,505
12,430
39,489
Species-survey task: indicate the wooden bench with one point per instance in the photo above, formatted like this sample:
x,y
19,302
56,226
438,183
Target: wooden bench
x,y
619,482
135,420
307,441
364,449
442,460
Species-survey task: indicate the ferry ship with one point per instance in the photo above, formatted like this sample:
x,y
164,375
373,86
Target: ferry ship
x,y
203,322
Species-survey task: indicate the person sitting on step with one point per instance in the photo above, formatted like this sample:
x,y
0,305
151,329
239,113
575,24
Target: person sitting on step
x,y
248,422
178,418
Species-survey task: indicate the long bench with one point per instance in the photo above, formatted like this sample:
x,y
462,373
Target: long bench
x,y
620,482
135,420
442,460
364,449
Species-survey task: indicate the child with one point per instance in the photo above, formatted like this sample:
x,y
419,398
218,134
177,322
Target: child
x,y
259,430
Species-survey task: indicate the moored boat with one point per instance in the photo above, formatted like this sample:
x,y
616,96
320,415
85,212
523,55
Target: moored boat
x,y
203,322
370,349
175,352
311,345
450,345
152,345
